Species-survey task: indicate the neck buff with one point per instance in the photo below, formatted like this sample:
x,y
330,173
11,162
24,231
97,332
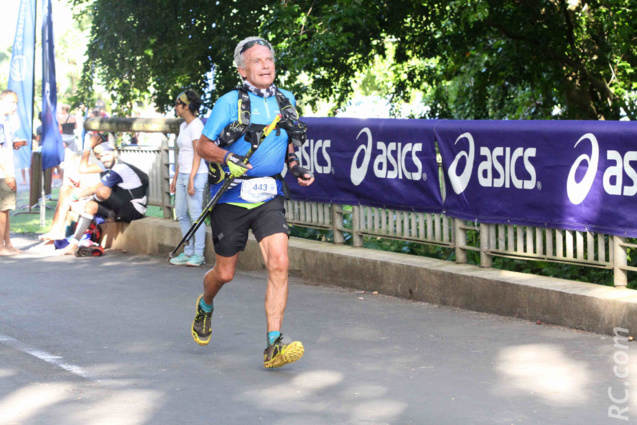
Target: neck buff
x,y
270,91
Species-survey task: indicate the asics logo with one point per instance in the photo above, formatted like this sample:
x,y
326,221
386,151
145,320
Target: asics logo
x,y
358,173
391,161
314,156
575,190
498,167
459,182
613,180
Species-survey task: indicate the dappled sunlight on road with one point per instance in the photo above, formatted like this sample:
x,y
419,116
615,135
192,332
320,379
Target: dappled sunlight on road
x,y
384,410
299,389
322,393
128,407
35,403
543,371
317,380
5,373
26,403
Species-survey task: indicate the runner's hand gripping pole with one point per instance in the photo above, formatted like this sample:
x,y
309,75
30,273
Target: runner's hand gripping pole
x,y
255,138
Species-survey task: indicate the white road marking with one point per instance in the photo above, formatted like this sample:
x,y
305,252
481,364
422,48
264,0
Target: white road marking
x,y
44,356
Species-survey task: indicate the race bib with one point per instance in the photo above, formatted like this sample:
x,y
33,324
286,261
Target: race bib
x,y
258,190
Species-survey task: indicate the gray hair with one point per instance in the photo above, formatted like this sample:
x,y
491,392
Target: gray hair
x,y
238,56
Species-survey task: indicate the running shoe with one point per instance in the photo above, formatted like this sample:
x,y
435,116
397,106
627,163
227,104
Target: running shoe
x,y
196,261
89,251
278,354
201,329
180,260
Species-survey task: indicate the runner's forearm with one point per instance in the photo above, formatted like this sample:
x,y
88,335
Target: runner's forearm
x,y
208,150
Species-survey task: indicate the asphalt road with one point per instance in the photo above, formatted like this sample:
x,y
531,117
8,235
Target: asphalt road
x,y
88,341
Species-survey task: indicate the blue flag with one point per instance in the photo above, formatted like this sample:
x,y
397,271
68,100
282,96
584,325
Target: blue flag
x,y
52,147
21,77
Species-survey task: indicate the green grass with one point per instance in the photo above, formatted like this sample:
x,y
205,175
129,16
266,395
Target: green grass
x,y
23,222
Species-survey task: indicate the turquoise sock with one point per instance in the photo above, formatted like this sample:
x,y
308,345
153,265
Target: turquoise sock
x,y
272,337
206,307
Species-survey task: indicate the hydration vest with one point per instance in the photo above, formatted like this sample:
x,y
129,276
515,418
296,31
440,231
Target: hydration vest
x,y
289,120
234,131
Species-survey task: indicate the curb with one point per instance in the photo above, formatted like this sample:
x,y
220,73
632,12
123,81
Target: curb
x,y
577,305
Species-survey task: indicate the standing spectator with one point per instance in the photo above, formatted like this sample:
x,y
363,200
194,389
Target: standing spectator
x,y
68,124
38,135
8,106
190,179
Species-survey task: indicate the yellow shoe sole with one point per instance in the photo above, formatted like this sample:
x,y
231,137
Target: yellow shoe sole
x,y
291,353
196,337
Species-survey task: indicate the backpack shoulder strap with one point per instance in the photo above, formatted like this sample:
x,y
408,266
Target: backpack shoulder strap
x,y
288,111
143,177
233,131
290,120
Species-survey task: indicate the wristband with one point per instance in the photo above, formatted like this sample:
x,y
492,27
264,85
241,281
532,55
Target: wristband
x,y
292,157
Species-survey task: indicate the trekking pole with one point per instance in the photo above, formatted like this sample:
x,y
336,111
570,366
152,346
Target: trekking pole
x,y
255,143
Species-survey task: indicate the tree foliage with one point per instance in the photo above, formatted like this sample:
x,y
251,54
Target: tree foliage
x,y
493,59
161,47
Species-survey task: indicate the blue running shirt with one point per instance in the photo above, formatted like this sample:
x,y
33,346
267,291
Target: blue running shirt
x,y
266,161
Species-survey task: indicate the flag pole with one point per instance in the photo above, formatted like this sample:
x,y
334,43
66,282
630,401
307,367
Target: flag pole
x,y
43,173
35,34
52,146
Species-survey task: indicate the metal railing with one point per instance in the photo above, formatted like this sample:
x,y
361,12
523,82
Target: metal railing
x,y
489,240
585,249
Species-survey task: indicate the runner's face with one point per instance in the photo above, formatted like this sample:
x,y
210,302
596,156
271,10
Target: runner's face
x,y
258,66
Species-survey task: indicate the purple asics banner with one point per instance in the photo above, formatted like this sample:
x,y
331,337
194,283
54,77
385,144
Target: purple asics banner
x,y
573,175
375,162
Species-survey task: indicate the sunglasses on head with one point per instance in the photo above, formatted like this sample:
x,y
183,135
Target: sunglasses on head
x,y
179,102
253,43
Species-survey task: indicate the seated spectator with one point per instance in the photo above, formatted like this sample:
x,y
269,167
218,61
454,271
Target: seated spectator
x,y
121,194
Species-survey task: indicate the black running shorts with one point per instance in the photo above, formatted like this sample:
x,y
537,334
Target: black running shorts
x,y
230,225
119,206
